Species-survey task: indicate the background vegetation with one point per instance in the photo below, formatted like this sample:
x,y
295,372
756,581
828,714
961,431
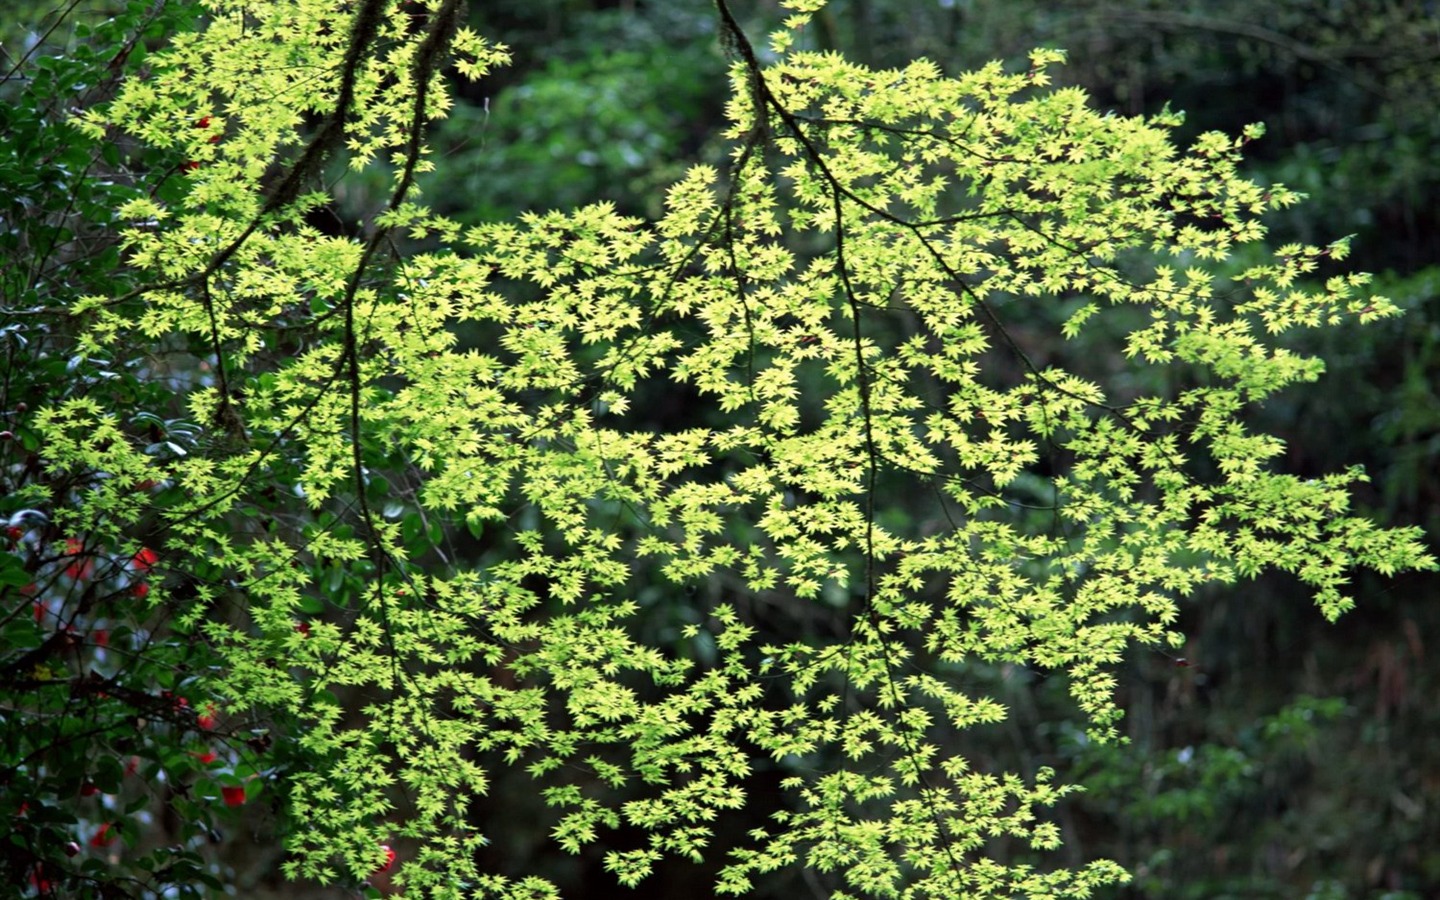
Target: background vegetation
x,y
1280,757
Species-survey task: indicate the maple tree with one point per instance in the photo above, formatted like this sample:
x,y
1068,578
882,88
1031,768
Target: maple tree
x,y
365,518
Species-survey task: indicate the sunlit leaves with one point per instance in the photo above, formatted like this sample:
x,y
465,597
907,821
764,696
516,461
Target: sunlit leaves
x,y
877,442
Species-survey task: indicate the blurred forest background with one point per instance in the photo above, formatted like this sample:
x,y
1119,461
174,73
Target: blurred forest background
x,y
1281,756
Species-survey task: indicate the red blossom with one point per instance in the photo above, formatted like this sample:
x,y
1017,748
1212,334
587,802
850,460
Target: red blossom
x,y
103,837
81,568
389,859
206,719
140,589
234,795
145,560
205,758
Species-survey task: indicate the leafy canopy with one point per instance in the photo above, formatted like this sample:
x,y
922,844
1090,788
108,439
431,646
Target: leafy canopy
x,y
838,295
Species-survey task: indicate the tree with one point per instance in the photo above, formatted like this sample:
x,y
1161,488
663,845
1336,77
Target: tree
x,y
409,498
1225,787
105,726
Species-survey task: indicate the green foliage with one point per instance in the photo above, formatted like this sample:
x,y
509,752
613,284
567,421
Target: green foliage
x,y
106,726
415,494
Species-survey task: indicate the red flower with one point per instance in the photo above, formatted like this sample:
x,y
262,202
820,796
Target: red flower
x,y
389,859
89,789
202,122
234,795
145,560
206,719
103,837
303,628
101,637
190,165
81,568
205,758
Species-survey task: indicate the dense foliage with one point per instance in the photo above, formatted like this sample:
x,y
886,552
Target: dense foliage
x,y
107,725
371,513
